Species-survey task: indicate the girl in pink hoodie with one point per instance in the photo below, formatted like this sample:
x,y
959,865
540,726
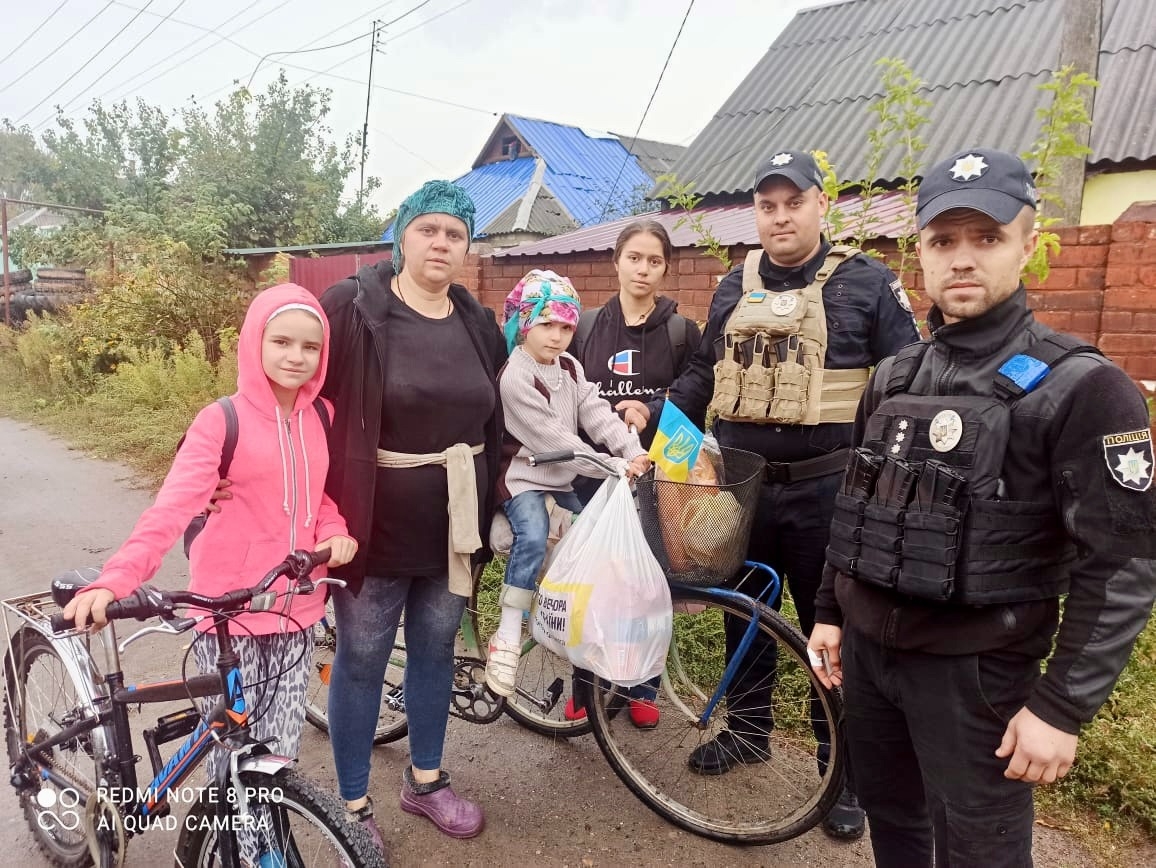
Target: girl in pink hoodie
x,y
278,504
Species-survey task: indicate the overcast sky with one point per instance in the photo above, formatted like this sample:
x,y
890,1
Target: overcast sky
x,y
590,63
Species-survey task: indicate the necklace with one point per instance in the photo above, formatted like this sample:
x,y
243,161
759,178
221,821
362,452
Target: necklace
x,y
642,316
544,376
401,294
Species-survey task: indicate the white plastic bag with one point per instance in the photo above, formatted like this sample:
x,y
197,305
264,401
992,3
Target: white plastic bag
x,y
603,602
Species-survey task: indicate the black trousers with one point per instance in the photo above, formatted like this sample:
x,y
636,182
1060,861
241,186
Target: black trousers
x,y
790,533
923,730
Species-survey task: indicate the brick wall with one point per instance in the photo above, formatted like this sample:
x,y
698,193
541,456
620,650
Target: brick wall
x,y
1102,286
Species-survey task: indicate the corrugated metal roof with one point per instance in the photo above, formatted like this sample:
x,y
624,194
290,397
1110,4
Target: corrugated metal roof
x,y
981,62
584,171
303,248
887,217
492,187
547,217
656,158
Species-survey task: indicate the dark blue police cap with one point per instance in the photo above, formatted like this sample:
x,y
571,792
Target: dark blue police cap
x,y
798,167
983,179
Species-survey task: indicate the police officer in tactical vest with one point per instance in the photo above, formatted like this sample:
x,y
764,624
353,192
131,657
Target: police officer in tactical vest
x,y
999,465
783,361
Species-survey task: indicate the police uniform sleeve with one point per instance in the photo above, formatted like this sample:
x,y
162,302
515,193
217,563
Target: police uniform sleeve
x,y
692,390
827,609
1102,466
895,325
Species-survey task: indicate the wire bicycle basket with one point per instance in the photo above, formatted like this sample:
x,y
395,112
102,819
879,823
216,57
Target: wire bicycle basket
x,y
699,532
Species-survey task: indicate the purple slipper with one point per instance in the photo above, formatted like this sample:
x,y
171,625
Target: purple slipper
x,y
455,816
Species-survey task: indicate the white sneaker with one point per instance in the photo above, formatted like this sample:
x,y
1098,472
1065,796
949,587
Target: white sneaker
x,y
502,665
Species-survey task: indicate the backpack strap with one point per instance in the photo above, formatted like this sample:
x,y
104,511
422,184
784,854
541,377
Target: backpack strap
x,y
231,432
1024,371
904,367
677,328
322,414
585,327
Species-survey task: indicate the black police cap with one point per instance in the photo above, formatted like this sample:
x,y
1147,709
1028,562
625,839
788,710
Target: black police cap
x,y
798,167
983,179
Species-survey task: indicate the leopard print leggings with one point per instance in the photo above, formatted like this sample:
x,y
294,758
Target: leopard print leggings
x,y
275,672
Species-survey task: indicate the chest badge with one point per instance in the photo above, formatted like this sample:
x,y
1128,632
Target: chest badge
x,y
945,431
784,303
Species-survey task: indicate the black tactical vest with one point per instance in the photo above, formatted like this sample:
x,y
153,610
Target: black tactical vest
x,y
923,510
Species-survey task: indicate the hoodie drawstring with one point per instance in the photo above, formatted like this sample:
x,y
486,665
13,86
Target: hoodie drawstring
x,y
305,461
284,464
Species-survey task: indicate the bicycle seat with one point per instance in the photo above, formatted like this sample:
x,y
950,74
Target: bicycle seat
x,y
66,585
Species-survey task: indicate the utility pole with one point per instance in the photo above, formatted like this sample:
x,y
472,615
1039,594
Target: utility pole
x,y
365,126
1080,47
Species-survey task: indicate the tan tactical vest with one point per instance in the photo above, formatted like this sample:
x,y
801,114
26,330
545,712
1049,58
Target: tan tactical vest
x,y
771,370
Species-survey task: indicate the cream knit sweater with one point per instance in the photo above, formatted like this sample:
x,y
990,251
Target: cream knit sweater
x,y
544,419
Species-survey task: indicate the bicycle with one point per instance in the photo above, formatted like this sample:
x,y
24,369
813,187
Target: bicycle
x,y
544,681
72,754
766,802
801,776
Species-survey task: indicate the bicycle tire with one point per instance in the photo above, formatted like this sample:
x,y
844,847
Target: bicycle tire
x,y
275,796
544,683
762,802
391,722
41,699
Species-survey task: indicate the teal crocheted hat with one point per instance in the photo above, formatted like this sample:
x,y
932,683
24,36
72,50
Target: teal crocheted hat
x,y
434,197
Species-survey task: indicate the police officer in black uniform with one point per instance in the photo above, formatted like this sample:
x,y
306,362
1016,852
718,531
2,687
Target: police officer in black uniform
x,y
868,318
1002,465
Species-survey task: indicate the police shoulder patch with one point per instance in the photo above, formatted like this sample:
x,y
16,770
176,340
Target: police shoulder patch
x,y
900,294
1130,459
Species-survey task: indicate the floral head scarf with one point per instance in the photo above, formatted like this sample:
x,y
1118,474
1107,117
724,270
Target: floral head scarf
x,y
539,297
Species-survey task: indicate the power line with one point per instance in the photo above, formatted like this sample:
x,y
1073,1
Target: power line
x,y
334,45
29,37
84,65
645,112
208,31
421,24
50,54
120,59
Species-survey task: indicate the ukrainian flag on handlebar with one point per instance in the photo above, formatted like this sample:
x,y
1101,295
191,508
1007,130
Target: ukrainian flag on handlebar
x,y
676,443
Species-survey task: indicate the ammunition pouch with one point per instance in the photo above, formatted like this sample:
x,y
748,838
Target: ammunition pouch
x,y
772,352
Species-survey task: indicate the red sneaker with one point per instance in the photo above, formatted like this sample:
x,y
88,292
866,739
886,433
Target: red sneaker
x,y
644,713
572,712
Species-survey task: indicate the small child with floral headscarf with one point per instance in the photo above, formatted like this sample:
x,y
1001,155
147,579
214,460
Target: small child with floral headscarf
x,y
546,400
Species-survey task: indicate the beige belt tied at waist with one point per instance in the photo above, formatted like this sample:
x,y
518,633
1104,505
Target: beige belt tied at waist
x,y
463,538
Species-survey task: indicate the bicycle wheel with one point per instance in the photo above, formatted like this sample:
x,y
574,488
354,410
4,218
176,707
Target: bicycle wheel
x,y
545,681
43,698
391,720
760,802
293,821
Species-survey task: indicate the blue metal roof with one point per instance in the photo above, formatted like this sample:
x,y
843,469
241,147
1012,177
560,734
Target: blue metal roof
x,y
492,187
583,170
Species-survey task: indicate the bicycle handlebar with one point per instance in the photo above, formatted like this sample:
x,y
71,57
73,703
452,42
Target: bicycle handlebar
x,y
148,602
561,455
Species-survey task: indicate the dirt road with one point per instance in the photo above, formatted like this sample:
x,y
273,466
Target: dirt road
x,y
547,803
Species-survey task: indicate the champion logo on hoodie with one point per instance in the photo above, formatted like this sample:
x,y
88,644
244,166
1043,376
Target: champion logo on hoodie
x,y
622,363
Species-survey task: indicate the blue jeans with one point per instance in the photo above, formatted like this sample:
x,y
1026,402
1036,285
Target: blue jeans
x,y
530,523
366,628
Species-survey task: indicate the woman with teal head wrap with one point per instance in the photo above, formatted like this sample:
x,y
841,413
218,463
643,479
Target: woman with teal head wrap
x,y
414,452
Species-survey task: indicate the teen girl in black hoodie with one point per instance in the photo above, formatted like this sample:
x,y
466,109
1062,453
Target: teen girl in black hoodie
x,y
633,348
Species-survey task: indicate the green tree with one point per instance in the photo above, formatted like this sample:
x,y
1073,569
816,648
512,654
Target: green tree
x,y
1060,120
23,167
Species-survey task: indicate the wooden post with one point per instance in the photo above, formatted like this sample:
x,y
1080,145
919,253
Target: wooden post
x,y
1080,48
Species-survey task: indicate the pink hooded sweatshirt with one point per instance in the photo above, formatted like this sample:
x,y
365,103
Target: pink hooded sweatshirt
x,y
278,475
